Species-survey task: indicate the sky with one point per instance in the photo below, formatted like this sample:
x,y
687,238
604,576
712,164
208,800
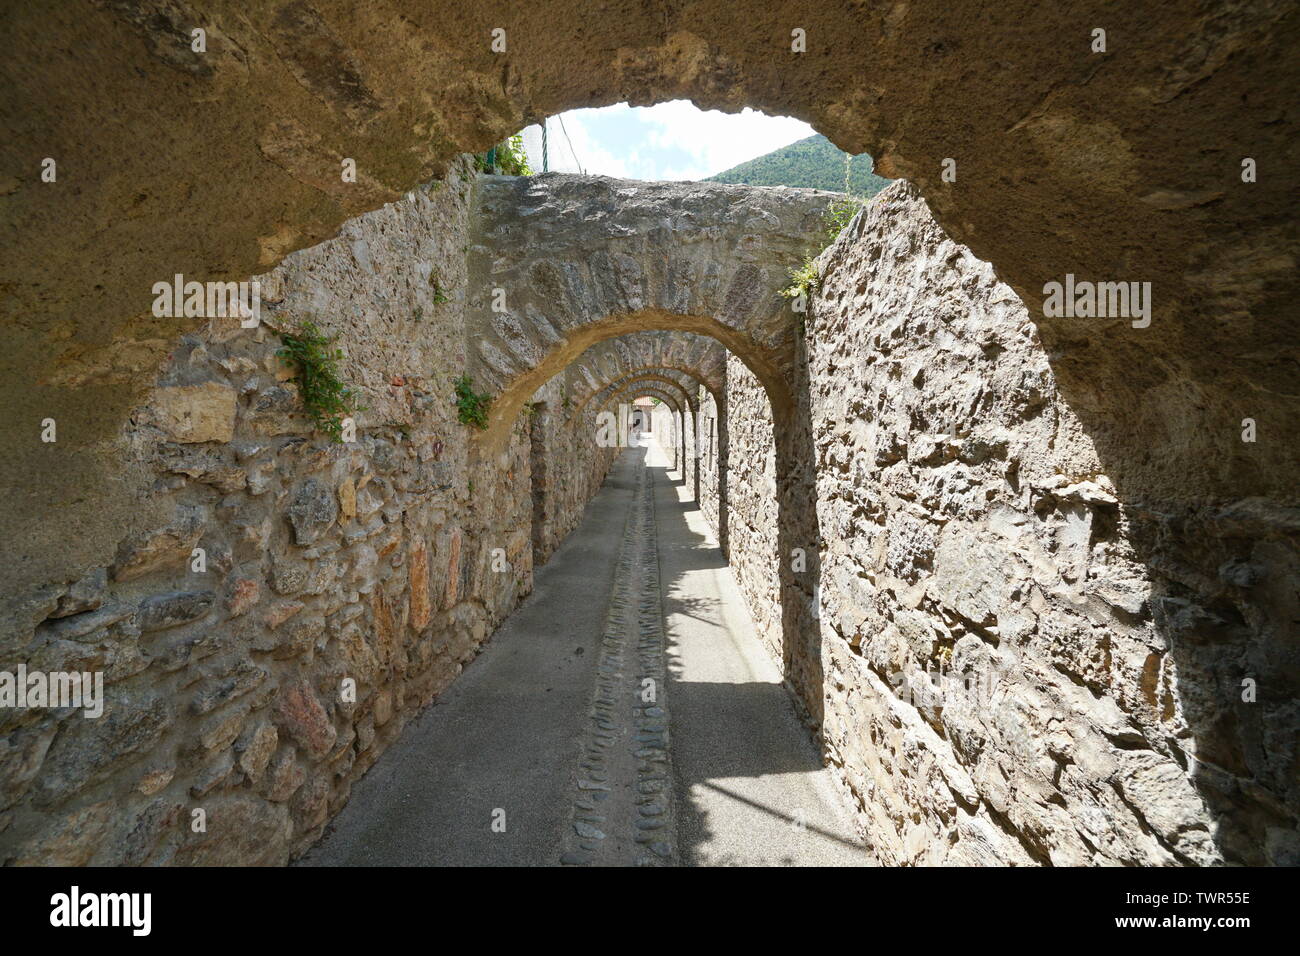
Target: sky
x,y
674,140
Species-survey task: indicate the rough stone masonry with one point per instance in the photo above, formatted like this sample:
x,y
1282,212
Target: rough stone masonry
x,y
956,519
1116,166
282,564
1125,665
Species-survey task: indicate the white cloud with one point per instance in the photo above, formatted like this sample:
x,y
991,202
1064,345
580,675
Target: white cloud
x,y
591,152
717,141
673,141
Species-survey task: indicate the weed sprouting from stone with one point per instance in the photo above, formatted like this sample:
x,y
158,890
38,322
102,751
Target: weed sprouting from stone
x,y
315,362
839,214
804,277
803,280
471,407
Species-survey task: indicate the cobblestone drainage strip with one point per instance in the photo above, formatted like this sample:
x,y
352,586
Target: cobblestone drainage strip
x,y
622,806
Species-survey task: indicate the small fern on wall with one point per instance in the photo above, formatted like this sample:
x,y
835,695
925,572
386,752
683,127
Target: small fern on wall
x,y
315,363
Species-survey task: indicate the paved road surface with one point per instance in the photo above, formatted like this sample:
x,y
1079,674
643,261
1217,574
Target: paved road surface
x,y
625,714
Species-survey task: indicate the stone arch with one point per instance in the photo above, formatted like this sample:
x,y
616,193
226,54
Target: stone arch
x,y
684,356
688,385
677,399
563,301
779,365
690,359
681,387
515,391
287,90
638,389
644,388
567,282
362,93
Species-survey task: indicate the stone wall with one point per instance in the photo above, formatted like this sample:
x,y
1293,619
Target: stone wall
x,y
1113,673
667,428
1124,164
691,452
708,458
1131,657
569,467
337,589
750,487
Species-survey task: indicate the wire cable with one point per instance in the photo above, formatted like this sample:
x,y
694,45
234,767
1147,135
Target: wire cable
x,y
570,142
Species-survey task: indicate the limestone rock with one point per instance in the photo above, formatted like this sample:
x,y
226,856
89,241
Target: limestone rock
x,y
256,752
241,830
284,776
219,689
196,413
166,547
347,498
244,593
419,578
170,610
312,511
71,840
84,595
89,750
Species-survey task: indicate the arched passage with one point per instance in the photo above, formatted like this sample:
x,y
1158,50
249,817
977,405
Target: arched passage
x,y
638,390
660,338
680,383
686,386
1162,402
517,389
673,398
567,283
259,115
642,288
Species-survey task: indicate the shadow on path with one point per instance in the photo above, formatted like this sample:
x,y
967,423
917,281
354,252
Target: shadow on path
x,y
749,782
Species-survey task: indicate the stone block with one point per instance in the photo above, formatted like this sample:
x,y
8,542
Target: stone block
x,y
195,413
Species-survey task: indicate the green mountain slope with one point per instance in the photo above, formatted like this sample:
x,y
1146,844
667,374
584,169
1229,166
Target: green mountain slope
x,y
813,162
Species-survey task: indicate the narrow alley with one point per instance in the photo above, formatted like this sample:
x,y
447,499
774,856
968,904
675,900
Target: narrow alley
x,y
708,767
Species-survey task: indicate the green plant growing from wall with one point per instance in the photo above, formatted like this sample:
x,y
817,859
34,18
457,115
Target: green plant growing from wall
x,y
839,214
803,280
804,277
315,363
471,407
508,158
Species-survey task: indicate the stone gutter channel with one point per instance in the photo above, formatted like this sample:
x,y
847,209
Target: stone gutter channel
x,y
622,808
